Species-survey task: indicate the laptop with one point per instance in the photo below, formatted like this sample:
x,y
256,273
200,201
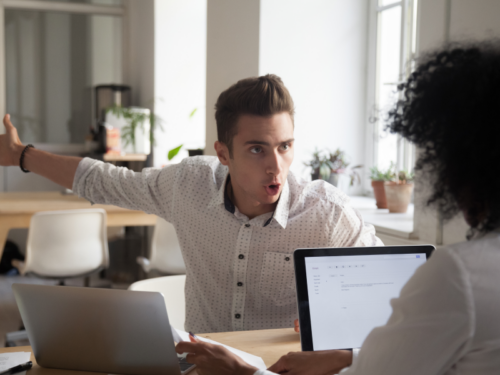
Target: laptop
x,y
343,293
100,330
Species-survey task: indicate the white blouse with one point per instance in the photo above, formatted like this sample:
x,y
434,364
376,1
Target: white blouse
x,y
446,320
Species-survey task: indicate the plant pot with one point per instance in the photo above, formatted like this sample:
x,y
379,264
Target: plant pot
x,y
379,192
334,179
398,196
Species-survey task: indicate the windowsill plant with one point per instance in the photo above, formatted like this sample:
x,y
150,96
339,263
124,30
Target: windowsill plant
x,y
398,192
379,179
329,167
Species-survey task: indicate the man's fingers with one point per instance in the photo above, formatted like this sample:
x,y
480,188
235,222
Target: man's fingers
x,y
7,123
296,325
187,347
279,366
191,358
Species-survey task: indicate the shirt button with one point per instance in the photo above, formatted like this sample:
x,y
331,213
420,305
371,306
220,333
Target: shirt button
x,y
287,259
247,225
240,283
241,256
237,316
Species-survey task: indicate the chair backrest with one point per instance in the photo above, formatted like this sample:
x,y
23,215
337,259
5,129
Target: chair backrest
x,y
67,243
166,253
172,289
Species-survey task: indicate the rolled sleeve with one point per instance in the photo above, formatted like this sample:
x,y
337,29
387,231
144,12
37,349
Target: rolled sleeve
x,y
150,191
351,230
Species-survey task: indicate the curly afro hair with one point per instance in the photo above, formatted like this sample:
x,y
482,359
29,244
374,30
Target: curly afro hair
x,y
449,108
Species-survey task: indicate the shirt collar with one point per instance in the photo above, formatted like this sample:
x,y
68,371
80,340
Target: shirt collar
x,y
280,214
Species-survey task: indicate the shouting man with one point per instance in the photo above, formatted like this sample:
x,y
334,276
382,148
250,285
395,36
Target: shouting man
x,y
238,216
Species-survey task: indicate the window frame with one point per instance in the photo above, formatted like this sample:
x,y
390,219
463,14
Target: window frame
x,y
63,7
405,158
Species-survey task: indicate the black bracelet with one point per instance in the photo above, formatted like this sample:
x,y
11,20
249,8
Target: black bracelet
x,y
21,160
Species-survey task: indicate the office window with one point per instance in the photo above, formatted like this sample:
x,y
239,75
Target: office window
x,y
52,61
393,44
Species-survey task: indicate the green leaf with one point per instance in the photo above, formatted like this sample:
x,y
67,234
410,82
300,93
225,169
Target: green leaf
x,y
193,112
173,152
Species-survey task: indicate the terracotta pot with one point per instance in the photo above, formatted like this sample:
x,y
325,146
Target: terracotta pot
x,y
398,196
379,192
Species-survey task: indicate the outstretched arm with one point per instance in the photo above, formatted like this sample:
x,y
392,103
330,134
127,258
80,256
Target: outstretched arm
x,y
59,169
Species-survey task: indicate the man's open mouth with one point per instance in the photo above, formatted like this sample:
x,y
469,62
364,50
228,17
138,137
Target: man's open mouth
x,y
272,189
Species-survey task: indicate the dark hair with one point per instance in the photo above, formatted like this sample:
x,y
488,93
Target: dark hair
x,y
261,96
449,108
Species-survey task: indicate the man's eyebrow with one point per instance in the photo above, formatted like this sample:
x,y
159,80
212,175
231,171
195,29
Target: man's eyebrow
x,y
255,142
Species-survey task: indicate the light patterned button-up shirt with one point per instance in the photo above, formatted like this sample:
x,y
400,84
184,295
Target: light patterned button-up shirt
x,y
239,272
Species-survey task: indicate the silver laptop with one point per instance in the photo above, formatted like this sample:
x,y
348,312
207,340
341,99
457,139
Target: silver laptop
x,y
101,330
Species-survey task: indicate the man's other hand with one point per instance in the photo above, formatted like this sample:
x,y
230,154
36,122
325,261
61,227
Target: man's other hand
x,y
296,325
213,359
10,144
324,362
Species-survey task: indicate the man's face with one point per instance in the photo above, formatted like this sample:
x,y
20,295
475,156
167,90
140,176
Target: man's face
x,y
262,154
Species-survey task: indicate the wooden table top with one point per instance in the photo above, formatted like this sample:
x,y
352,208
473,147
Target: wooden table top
x,y
31,202
269,344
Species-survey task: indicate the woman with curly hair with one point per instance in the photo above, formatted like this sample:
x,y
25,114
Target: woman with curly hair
x,y
447,318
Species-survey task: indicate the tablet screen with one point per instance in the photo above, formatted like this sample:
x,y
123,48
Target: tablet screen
x,y
350,295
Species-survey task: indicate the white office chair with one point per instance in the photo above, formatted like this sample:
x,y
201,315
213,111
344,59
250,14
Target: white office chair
x,y
165,254
63,245
66,244
172,289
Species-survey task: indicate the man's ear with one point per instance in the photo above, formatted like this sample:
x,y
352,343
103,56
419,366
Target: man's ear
x,y
222,152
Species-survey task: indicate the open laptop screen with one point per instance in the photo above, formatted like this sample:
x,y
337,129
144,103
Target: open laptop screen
x,y
349,295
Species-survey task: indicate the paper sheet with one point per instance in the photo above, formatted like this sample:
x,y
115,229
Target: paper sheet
x,y
9,360
247,357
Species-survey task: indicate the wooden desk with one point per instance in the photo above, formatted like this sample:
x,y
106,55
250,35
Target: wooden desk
x,y
269,344
16,210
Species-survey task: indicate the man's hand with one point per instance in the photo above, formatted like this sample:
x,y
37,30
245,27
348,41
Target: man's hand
x,y
213,359
10,144
296,326
313,363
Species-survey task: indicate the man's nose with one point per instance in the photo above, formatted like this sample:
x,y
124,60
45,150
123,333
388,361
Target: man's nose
x,y
274,164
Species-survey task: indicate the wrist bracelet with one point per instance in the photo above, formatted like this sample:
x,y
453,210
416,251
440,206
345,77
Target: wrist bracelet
x,y
21,160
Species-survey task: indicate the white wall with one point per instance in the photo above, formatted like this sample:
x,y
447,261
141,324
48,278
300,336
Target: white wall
x,y
232,52
180,75
441,21
319,49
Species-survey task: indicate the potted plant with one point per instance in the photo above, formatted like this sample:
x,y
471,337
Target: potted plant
x,y
135,120
319,166
338,165
379,179
398,192
331,166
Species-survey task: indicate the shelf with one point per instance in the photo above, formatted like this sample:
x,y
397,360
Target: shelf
x,y
126,157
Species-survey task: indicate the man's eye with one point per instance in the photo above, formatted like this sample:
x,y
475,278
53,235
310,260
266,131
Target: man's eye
x,y
285,147
256,150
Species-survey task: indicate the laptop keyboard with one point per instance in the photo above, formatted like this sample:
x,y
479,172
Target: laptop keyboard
x,y
184,365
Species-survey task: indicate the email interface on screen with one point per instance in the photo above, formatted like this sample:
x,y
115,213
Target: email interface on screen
x,y
350,295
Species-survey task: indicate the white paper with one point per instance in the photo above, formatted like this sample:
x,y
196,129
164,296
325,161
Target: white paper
x,y
247,357
9,360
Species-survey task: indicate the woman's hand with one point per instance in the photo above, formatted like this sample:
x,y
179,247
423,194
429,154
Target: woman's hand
x,y
313,363
213,359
